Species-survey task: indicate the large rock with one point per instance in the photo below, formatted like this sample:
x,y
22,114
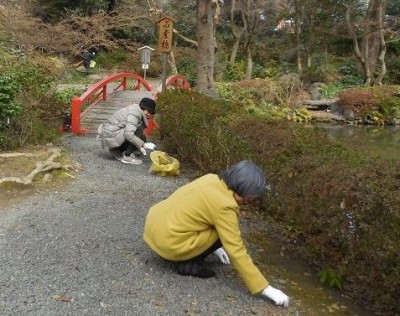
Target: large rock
x,y
315,90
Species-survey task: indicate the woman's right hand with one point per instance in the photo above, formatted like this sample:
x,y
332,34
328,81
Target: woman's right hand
x,y
275,295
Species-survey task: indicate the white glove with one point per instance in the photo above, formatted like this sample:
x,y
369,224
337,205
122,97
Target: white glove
x,y
149,146
277,296
222,255
144,152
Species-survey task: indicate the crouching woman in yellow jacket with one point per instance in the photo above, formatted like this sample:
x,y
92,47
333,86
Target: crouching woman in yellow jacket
x,y
202,217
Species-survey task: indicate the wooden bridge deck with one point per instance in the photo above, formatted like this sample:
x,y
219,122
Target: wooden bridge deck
x,y
93,116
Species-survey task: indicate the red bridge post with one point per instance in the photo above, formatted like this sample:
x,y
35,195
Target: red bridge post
x,y
75,115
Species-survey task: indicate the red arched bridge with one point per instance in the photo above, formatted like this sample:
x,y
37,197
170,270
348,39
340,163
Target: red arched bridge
x,y
103,98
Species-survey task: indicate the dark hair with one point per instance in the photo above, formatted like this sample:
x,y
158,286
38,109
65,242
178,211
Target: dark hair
x,y
149,104
245,178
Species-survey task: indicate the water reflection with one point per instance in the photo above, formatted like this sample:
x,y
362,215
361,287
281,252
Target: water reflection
x,y
378,141
307,296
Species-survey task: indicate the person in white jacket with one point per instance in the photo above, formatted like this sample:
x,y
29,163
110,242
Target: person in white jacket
x,y
123,132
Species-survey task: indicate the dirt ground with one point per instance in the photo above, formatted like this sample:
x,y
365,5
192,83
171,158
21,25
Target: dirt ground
x,y
20,164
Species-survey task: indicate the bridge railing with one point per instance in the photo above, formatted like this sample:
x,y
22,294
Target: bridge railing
x,y
177,82
100,91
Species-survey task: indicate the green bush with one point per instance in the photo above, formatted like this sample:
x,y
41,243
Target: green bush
x,y
195,128
336,208
188,67
393,67
325,73
39,117
64,97
265,97
331,91
8,108
372,103
112,58
235,71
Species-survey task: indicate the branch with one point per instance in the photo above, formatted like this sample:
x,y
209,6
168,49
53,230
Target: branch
x,y
188,40
41,166
352,33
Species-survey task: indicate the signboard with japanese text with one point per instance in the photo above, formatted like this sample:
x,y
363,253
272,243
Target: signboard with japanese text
x,y
166,27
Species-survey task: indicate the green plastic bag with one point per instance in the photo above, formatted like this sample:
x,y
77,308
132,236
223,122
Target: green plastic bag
x,y
163,164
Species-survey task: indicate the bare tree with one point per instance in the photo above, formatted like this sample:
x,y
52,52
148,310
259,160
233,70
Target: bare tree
x,y
71,35
245,16
368,39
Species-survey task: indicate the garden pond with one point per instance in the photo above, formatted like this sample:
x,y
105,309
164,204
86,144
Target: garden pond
x,y
308,296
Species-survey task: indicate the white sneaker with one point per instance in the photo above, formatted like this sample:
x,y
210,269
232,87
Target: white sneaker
x,y
131,160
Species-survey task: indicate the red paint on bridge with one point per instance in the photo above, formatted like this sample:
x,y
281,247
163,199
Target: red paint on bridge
x,y
99,92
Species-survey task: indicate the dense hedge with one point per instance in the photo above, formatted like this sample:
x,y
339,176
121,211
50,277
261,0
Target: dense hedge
x,y
338,209
374,104
40,106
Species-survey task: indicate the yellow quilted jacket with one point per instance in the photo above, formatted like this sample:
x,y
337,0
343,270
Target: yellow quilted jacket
x,y
190,220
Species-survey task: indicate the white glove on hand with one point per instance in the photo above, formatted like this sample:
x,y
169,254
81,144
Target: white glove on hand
x,y
222,255
277,296
149,146
144,152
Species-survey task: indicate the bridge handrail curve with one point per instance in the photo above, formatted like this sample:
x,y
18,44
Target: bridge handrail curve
x,y
178,81
101,89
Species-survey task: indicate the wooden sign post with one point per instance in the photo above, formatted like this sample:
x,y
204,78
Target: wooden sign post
x,y
165,32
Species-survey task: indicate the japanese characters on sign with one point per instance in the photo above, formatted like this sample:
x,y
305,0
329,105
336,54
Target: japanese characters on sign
x,y
166,26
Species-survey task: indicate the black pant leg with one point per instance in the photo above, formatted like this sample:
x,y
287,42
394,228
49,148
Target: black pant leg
x,y
132,148
210,250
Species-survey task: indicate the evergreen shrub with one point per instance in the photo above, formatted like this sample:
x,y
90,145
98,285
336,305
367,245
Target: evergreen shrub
x,y
40,114
366,101
264,97
196,129
235,71
325,73
338,209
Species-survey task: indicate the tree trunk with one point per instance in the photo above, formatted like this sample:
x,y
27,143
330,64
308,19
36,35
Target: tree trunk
x,y
297,32
249,68
382,53
309,59
371,52
251,21
172,62
237,31
205,51
235,49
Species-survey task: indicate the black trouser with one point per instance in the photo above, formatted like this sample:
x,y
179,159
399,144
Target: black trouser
x,y
194,267
86,64
127,148
209,251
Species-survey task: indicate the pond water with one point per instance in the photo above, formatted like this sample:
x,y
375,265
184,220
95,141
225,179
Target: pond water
x,y
308,296
379,141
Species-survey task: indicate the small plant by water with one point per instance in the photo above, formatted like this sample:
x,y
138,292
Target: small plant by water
x,y
331,278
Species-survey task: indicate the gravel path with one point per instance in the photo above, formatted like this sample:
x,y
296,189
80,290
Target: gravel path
x,y
80,251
